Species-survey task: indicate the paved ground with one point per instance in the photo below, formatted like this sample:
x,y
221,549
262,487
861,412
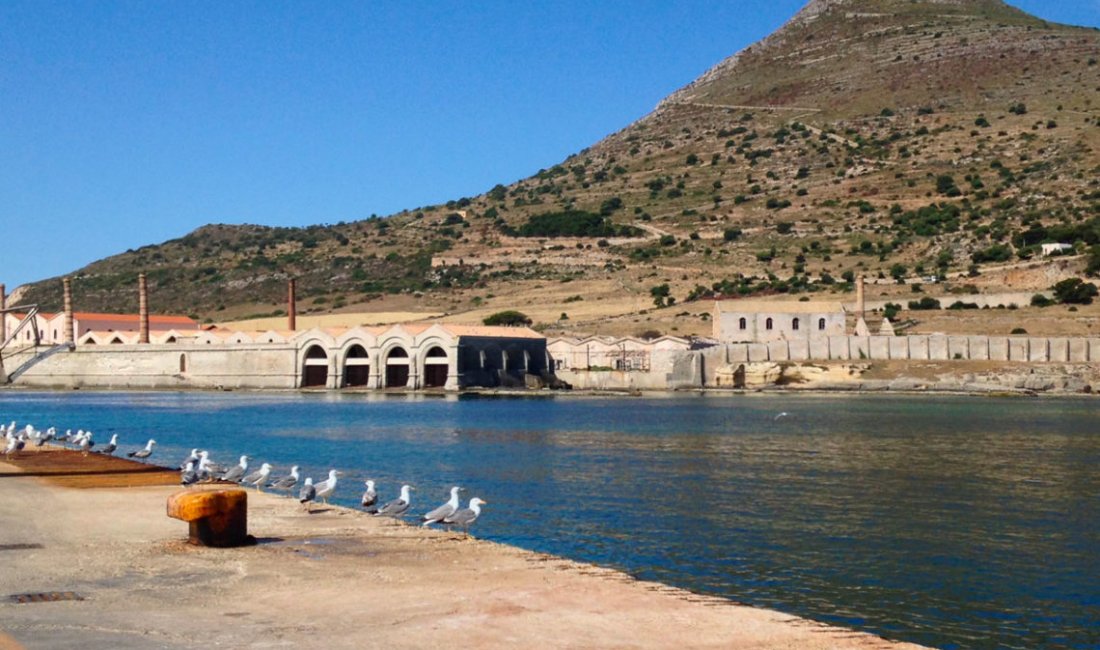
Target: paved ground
x,y
335,579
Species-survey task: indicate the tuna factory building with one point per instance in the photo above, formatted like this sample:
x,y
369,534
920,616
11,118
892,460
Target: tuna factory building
x,y
410,356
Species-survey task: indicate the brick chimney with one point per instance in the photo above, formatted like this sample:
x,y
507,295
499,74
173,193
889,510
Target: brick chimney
x,y
143,309
67,285
860,307
291,309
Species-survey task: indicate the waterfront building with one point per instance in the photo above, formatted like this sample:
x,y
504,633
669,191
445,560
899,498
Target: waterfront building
x,y
762,321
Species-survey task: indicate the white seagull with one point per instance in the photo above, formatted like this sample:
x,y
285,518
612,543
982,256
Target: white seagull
x,y
143,453
235,473
307,494
398,506
259,476
466,516
287,482
370,497
443,511
326,487
111,446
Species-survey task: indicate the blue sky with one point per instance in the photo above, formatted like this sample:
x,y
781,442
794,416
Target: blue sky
x,y
128,123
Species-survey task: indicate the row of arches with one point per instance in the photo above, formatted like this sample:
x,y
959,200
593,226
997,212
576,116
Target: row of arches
x,y
393,369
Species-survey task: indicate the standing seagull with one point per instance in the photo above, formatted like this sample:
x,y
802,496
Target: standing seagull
x,y
235,473
370,497
443,511
326,487
307,494
111,446
398,506
142,454
287,482
86,443
466,516
193,458
259,476
189,476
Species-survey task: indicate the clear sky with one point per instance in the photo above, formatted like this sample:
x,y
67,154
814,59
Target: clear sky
x,y
129,123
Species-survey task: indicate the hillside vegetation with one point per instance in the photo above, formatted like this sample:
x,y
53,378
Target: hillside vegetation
x,y
908,140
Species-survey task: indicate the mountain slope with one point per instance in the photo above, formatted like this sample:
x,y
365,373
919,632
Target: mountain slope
x,y
888,137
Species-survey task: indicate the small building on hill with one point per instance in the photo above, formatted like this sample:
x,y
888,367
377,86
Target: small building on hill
x,y
761,321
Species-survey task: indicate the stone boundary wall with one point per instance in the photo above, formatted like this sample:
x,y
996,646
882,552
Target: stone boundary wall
x,y
160,366
914,347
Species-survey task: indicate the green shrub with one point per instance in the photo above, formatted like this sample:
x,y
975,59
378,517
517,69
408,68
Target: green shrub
x,y
1075,291
508,317
924,303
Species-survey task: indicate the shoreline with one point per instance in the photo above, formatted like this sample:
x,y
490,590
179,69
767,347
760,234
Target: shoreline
x,y
334,578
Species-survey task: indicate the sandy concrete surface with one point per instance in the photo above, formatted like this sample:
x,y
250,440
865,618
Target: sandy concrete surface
x,y
335,578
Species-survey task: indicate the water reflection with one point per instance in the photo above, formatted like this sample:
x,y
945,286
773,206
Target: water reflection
x,y
954,522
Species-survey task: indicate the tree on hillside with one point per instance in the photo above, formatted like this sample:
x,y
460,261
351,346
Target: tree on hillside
x,y
509,317
1075,291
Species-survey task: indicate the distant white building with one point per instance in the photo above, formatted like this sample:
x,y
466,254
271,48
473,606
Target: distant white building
x,y
1056,249
760,321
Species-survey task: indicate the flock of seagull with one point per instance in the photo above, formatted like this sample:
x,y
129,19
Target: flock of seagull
x,y
199,468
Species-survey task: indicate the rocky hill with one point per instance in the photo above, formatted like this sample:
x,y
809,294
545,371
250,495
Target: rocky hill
x,y
902,139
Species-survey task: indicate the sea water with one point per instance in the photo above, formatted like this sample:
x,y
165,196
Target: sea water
x,y
955,522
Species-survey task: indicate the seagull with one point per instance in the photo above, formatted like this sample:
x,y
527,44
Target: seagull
x,y
307,494
782,415
259,476
235,473
65,437
143,453
189,475
370,497
15,444
192,458
111,446
86,443
51,433
398,506
326,487
466,516
443,511
287,482
208,466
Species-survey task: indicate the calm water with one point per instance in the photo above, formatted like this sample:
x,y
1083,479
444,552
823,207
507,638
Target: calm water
x,y
952,522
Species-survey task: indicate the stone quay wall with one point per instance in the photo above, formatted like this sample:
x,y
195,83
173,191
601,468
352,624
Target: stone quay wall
x,y
914,347
161,367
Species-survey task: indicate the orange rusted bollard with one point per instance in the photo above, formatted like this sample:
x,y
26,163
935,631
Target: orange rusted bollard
x,y
217,518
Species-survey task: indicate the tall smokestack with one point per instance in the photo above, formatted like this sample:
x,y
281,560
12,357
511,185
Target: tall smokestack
x,y
68,290
291,309
3,315
860,306
143,309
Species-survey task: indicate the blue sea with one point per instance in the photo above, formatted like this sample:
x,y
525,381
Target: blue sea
x,y
955,522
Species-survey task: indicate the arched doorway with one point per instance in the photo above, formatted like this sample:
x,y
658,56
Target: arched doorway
x,y
356,366
315,370
397,368
436,365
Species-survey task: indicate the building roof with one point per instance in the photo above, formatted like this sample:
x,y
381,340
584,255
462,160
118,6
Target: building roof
x,y
184,321
498,331
757,306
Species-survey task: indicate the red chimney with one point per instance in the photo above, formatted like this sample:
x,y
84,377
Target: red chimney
x,y
143,309
67,287
291,309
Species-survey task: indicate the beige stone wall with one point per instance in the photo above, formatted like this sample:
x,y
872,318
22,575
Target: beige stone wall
x,y
159,366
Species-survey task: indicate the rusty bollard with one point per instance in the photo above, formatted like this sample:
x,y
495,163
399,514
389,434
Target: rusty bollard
x,y
217,517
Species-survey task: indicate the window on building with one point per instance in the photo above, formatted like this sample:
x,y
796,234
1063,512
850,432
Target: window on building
x,y
794,324
559,364
744,324
768,324
183,363
821,323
